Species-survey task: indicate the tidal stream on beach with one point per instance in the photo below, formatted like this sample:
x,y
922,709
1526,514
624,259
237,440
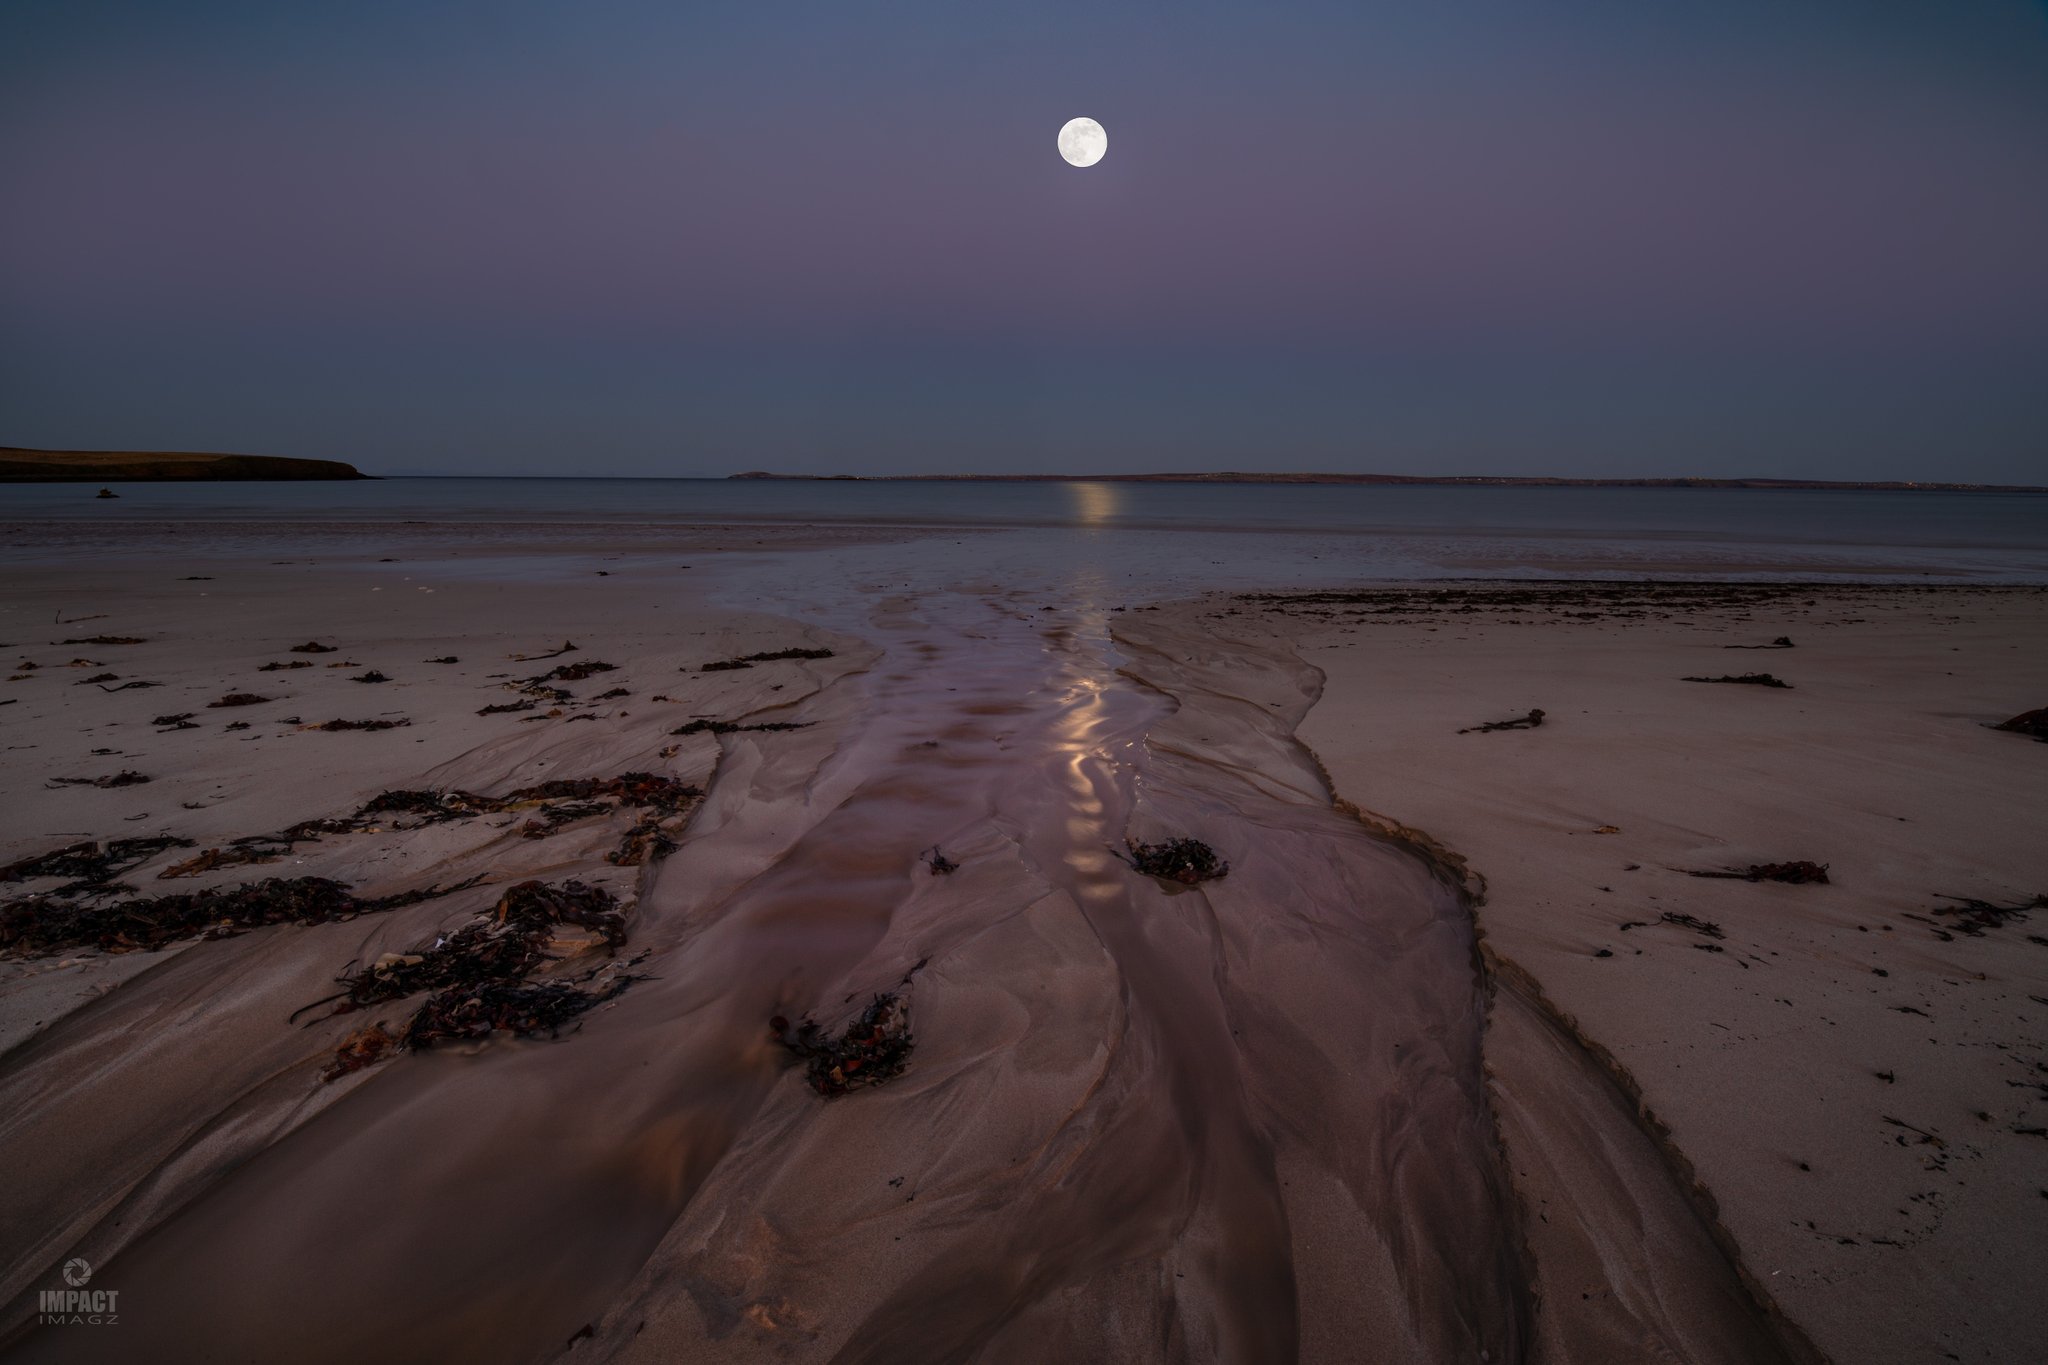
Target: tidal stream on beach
x,y
1242,1121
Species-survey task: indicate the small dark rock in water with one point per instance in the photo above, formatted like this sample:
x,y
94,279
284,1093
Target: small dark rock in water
x,y
106,493
1528,722
875,1047
1755,679
2031,723
1796,873
1187,861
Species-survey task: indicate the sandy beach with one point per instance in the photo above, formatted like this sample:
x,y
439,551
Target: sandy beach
x,y
1459,1061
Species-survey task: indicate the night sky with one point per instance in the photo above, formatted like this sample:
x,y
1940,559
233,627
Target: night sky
x,y
1803,238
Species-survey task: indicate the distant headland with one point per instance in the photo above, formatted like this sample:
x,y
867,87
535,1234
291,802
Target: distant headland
x,y
1424,480
18,465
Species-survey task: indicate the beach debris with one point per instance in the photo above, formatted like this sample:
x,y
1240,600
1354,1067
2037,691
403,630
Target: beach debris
x,y
373,676
568,647
1782,642
536,907
874,1048
576,672
104,639
237,699
315,647
1694,923
1187,861
612,695
39,926
126,686
444,659
90,863
334,725
727,727
1973,916
2030,723
1528,722
523,1010
551,818
503,707
232,856
364,1047
181,721
771,656
127,777
1754,679
98,678
645,842
275,667
938,862
1795,873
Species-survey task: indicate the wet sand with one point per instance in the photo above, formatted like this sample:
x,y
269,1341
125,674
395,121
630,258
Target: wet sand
x,y
1312,1110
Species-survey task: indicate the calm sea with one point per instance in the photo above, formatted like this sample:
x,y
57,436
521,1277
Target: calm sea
x,y
1254,532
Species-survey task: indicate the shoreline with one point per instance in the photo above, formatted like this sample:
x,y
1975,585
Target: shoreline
x,y
1369,683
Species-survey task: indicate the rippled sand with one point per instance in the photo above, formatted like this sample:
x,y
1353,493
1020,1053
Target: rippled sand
x,y
1291,1114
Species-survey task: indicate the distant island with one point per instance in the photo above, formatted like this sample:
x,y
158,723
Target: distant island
x,y
19,465
1426,480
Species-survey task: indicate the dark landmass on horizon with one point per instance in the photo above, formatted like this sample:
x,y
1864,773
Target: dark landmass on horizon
x,y
1430,480
21,465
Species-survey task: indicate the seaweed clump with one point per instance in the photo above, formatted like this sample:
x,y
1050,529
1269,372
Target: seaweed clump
x,y
874,1048
1754,679
1973,916
1528,722
40,925
127,777
1187,861
2031,723
522,1010
1794,873
479,976
91,863
768,657
730,727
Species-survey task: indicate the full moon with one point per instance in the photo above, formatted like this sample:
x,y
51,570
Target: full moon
x,y
1082,142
